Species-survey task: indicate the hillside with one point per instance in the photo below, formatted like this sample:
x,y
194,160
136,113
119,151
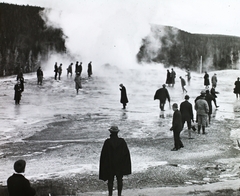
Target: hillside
x,y
174,47
25,40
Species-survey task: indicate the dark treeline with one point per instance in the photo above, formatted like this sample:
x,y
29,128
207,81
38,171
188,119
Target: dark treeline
x,y
174,47
25,39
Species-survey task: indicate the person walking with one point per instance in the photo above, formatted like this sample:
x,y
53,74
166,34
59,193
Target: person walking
x,y
213,92
206,80
209,98
77,80
187,114
183,84
237,88
69,70
18,93
17,184
89,70
56,71
60,71
176,127
169,79
173,76
39,76
115,160
214,81
162,95
201,106
188,75
123,99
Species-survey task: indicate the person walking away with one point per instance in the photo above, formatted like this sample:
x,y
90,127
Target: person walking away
x,y
187,114
183,84
89,70
39,76
115,160
209,98
173,76
60,71
77,80
56,71
169,79
18,93
176,127
17,184
69,70
188,75
237,88
201,106
123,99
213,92
214,81
162,95
206,80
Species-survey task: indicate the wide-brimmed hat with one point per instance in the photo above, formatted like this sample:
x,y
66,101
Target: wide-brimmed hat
x,y
114,129
19,166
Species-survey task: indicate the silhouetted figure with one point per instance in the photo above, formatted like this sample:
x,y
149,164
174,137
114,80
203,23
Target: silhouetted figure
x,y
173,76
206,80
69,70
187,114
214,80
56,71
60,71
162,94
39,76
176,127
188,75
77,80
213,92
169,79
115,160
21,79
237,88
183,84
78,68
89,70
17,184
209,98
18,92
123,99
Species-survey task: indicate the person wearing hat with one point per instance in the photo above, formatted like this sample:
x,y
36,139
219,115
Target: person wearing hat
x,y
214,80
114,160
206,79
187,114
176,127
201,106
183,84
123,99
39,76
17,184
77,80
162,95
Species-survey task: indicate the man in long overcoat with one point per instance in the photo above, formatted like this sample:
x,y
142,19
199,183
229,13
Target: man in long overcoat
x,y
17,92
123,99
89,70
206,79
114,160
162,94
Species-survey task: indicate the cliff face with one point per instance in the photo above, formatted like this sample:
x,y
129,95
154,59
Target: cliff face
x,y
25,40
174,47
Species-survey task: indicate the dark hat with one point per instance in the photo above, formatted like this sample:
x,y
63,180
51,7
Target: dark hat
x,y
187,97
19,166
164,85
114,129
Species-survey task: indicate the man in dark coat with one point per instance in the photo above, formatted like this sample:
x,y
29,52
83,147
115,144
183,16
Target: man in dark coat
x,y
176,127
209,98
56,71
69,70
162,94
18,92
17,184
169,79
206,80
123,99
187,114
213,92
39,76
89,70
237,88
114,160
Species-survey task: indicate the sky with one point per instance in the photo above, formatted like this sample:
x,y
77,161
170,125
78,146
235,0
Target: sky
x,y
194,16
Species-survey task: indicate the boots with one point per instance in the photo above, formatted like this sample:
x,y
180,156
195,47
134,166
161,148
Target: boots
x,y
110,189
203,130
199,128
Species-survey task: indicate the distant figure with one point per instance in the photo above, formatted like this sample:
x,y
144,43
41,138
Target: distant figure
x,y
115,160
162,94
206,80
237,88
123,99
214,80
69,70
77,69
89,70
169,79
201,106
176,127
209,98
80,68
183,84
20,74
39,76
60,71
21,79
77,81
187,114
56,71
173,76
188,75
17,184
213,92
18,93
